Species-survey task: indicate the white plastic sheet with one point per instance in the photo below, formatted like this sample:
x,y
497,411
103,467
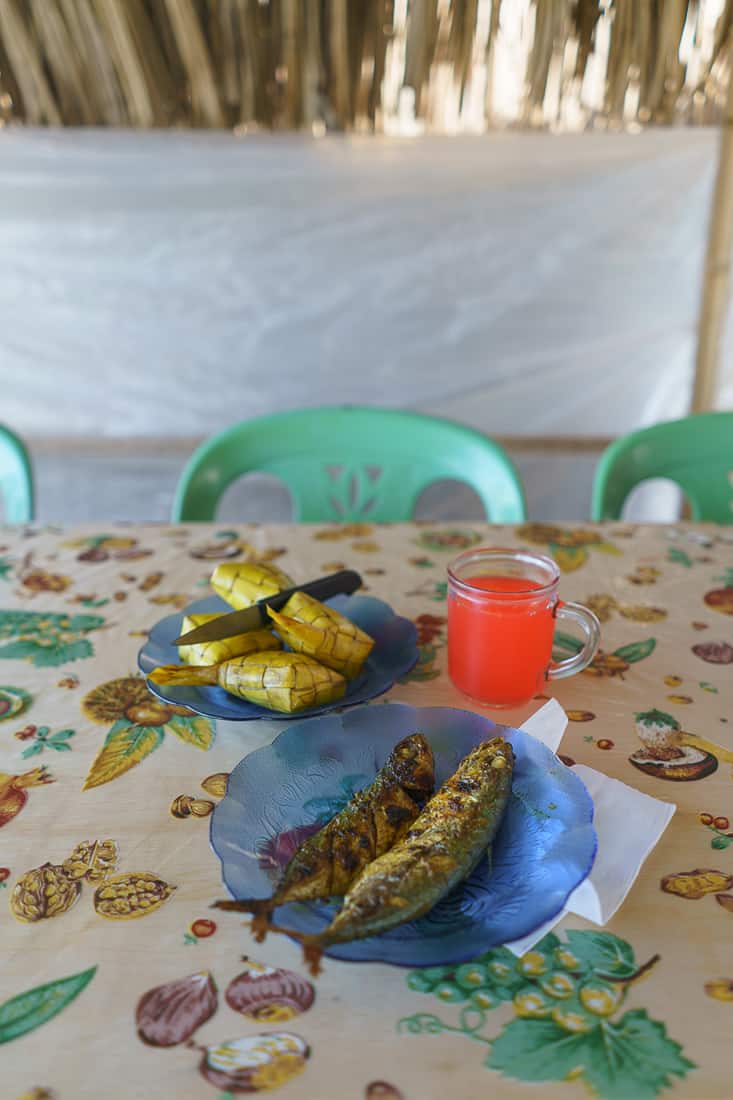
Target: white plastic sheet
x,y
167,284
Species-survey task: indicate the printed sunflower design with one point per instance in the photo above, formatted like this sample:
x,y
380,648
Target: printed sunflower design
x,y
139,725
40,580
128,698
569,547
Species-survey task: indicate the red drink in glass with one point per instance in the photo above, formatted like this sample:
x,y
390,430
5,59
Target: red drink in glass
x,y
502,608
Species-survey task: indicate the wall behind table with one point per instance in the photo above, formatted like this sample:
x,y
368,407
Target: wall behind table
x,y
166,284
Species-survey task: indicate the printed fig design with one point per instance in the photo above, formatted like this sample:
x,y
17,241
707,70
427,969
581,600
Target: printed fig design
x,y
170,1013
715,653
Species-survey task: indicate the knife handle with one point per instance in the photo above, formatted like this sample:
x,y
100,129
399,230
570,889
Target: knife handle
x,y
345,582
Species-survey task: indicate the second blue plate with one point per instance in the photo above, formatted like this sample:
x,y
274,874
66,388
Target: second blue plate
x,y
394,654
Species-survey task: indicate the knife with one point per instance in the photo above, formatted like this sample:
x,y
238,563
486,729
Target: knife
x,y
250,618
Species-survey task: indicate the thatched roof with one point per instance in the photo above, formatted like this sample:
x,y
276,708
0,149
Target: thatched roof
x,y
389,65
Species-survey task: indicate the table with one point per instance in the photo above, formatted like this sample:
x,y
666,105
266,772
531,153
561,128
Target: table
x,y
76,606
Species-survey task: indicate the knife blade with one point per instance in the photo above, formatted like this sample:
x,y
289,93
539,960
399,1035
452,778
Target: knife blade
x,y
250,618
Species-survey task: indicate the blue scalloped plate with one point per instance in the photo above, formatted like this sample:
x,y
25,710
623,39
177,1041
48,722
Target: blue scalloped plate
x,y
284,792
394,654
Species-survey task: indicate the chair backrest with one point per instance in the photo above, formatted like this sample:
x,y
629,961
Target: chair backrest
x,y
351,463
16,478
695,452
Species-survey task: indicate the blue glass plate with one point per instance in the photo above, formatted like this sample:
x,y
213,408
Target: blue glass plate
x,y
394,654
284,792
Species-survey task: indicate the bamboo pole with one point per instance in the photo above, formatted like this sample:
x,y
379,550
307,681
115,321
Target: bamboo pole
x,y
130,72
716,279
191,44
38,99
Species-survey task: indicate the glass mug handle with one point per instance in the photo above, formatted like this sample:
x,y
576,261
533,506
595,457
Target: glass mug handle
x,y
591,628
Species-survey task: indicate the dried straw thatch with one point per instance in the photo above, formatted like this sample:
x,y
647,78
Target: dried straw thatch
x,y
364,64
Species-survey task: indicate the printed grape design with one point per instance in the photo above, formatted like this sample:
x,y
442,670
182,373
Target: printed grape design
x,y
543,984
563,1015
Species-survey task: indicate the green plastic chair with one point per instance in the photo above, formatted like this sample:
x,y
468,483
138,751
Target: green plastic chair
x,y
351,463
16,478
695,452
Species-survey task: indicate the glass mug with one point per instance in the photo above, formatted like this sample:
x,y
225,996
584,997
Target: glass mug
x,y
502,610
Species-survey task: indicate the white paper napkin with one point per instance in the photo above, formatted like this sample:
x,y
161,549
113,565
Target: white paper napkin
x,y
627,822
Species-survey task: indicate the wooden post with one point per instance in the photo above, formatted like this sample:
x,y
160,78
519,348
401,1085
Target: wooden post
x,y
716,279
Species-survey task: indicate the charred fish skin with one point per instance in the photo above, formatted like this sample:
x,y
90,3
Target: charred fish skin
x,y
439,850
373,820
412,766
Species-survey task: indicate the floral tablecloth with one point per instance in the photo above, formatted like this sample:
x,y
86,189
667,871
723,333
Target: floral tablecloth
x,y
119,980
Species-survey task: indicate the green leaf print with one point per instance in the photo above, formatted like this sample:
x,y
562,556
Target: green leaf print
x,y
125,746
602,952
195,731
608,548
29,1010
47,654
84,623
636,651
46,639
539,1050
634,1057
19,651
679,556
564,644
631,1058
61,652
32,750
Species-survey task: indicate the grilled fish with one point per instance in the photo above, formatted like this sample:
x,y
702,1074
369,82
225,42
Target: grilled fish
x,y
439,850
373,820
